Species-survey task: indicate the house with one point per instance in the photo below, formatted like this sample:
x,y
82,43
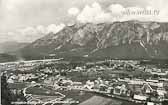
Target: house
x,y
147,88
33,82
161,92
67,82
150,103
120,90
10,80
140,97
89,85
78,85
110,90
21,78
103,87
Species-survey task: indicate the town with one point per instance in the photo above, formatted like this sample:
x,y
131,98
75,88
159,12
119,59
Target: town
x,y
49,82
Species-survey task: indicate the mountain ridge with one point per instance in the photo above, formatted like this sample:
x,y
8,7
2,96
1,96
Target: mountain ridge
x,y
121,40
11,46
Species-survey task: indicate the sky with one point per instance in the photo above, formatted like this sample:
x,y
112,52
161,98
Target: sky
x,y
28,20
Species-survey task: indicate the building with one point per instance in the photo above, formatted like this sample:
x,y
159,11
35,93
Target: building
x,y
140,97
120,90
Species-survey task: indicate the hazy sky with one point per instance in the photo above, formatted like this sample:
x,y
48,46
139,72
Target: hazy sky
x,y
27,20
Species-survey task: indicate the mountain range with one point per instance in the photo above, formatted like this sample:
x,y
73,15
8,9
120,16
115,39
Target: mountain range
x,y
11,46
117,40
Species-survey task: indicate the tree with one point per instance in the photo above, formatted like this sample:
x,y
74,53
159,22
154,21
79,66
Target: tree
x,y
155,76
165,103
6,96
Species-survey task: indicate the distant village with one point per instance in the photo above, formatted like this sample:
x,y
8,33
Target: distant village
x,y
123,79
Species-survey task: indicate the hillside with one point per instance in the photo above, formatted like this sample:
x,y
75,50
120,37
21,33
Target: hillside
x,y
118,40
11,46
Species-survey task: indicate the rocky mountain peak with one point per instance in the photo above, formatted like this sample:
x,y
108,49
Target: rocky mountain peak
x,y
90,39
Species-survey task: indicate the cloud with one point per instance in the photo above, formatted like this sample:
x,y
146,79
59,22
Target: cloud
x,y
38,15
55,28
116,9
22,13
30,34
28,30
73,11
117,12
41,29
93,14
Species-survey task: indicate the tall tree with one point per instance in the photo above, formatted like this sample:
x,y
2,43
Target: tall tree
x,y
6,96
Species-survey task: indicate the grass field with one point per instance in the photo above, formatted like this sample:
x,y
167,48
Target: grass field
x,y
40,90
98,100
76,95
